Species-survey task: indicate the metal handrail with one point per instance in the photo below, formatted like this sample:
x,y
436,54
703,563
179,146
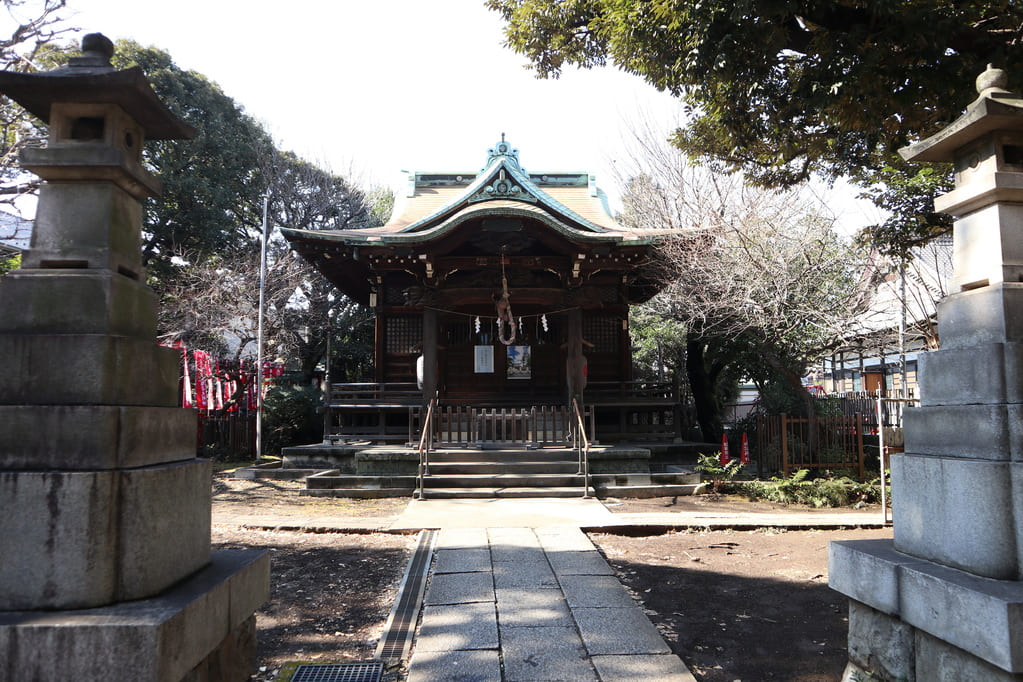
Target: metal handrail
x,y
582,446
425,444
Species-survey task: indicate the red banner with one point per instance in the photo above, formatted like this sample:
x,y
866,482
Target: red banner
x,y
725,457
203,379
271,370
186,381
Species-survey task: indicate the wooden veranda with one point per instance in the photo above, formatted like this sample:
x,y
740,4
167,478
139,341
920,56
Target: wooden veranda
x,y
392,413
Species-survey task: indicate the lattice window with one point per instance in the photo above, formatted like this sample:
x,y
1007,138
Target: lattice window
x,y
461,333
602,332
403,334
609,295
394,295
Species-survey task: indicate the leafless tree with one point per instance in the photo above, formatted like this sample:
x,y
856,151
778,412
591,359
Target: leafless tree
x,y
214,304
27,29
761,268
212,300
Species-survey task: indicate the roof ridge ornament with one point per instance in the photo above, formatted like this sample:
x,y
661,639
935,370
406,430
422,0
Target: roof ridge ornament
x,y
505,150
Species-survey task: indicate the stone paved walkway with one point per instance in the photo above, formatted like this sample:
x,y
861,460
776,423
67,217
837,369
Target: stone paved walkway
x,y
518,592
515,604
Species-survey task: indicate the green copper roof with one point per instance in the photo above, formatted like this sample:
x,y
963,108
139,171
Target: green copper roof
x,y
503,178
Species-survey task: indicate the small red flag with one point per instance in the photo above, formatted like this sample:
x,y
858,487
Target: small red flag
x,y
744,451
725,457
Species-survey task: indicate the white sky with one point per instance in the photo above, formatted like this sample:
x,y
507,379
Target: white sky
x,y
373,88
388,85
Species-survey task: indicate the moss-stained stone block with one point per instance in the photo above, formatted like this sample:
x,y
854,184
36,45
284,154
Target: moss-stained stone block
x,y
59,542
89,437
94,224
76,301
96,369
199,629
387,462
619,460
881,643
85,539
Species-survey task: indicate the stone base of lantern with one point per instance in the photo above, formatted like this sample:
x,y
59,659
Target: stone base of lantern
x,y
201,629
912,619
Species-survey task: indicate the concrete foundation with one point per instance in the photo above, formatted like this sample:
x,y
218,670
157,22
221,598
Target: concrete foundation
x,y
978,620
202,629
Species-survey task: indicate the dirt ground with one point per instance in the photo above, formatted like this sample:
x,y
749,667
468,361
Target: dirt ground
x,y
735,605
741,605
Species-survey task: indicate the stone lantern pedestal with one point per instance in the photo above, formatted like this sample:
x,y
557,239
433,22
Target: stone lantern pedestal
x,y
944,599
106,570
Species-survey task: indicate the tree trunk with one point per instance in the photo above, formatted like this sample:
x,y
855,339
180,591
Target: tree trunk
x,y
703,383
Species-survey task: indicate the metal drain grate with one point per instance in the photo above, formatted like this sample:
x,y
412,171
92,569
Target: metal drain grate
x,y
401,624
338,672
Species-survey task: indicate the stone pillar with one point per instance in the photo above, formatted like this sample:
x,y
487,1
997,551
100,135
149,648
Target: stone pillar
x,y
106,530
944,600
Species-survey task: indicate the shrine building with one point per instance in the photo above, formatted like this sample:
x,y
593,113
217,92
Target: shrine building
x,y
500,288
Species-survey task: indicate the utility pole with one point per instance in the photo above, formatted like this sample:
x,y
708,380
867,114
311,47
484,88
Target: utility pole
x,y
259,330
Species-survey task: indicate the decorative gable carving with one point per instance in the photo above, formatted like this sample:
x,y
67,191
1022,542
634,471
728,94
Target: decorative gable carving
x,y
501,187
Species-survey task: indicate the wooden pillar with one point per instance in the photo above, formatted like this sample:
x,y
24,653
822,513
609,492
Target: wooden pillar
x,y
379,348
575,361
625,350
430,380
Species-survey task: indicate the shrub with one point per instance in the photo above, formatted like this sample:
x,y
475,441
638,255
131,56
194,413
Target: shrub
x,y
290,417
818,492
714,470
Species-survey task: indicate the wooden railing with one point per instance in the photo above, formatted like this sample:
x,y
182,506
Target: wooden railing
x,y
533,427
657,392
375,394
370,411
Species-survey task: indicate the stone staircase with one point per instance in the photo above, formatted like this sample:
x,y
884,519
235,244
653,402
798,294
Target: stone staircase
x,y
512,472
464,473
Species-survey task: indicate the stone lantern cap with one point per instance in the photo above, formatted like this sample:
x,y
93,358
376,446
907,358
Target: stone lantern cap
x,y
995,109
90,79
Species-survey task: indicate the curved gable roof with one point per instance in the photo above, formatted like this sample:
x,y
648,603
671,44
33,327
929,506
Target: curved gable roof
x,y
569,203
503,180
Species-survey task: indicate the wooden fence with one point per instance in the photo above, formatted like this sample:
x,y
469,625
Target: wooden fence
x,y
788,444
230,436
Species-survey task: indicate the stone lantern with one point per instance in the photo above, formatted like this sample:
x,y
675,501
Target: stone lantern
x,y
944,599
106,529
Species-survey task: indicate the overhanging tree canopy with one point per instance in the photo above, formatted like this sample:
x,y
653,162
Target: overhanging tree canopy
x,y
780,88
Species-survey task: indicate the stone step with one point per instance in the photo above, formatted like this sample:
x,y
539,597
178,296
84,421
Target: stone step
x,y
364,493
641,491
506,455
518,492
334,480
530,467
642,479
503,480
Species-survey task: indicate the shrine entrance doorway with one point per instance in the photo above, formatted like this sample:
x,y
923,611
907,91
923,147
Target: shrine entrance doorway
x,y
476,368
